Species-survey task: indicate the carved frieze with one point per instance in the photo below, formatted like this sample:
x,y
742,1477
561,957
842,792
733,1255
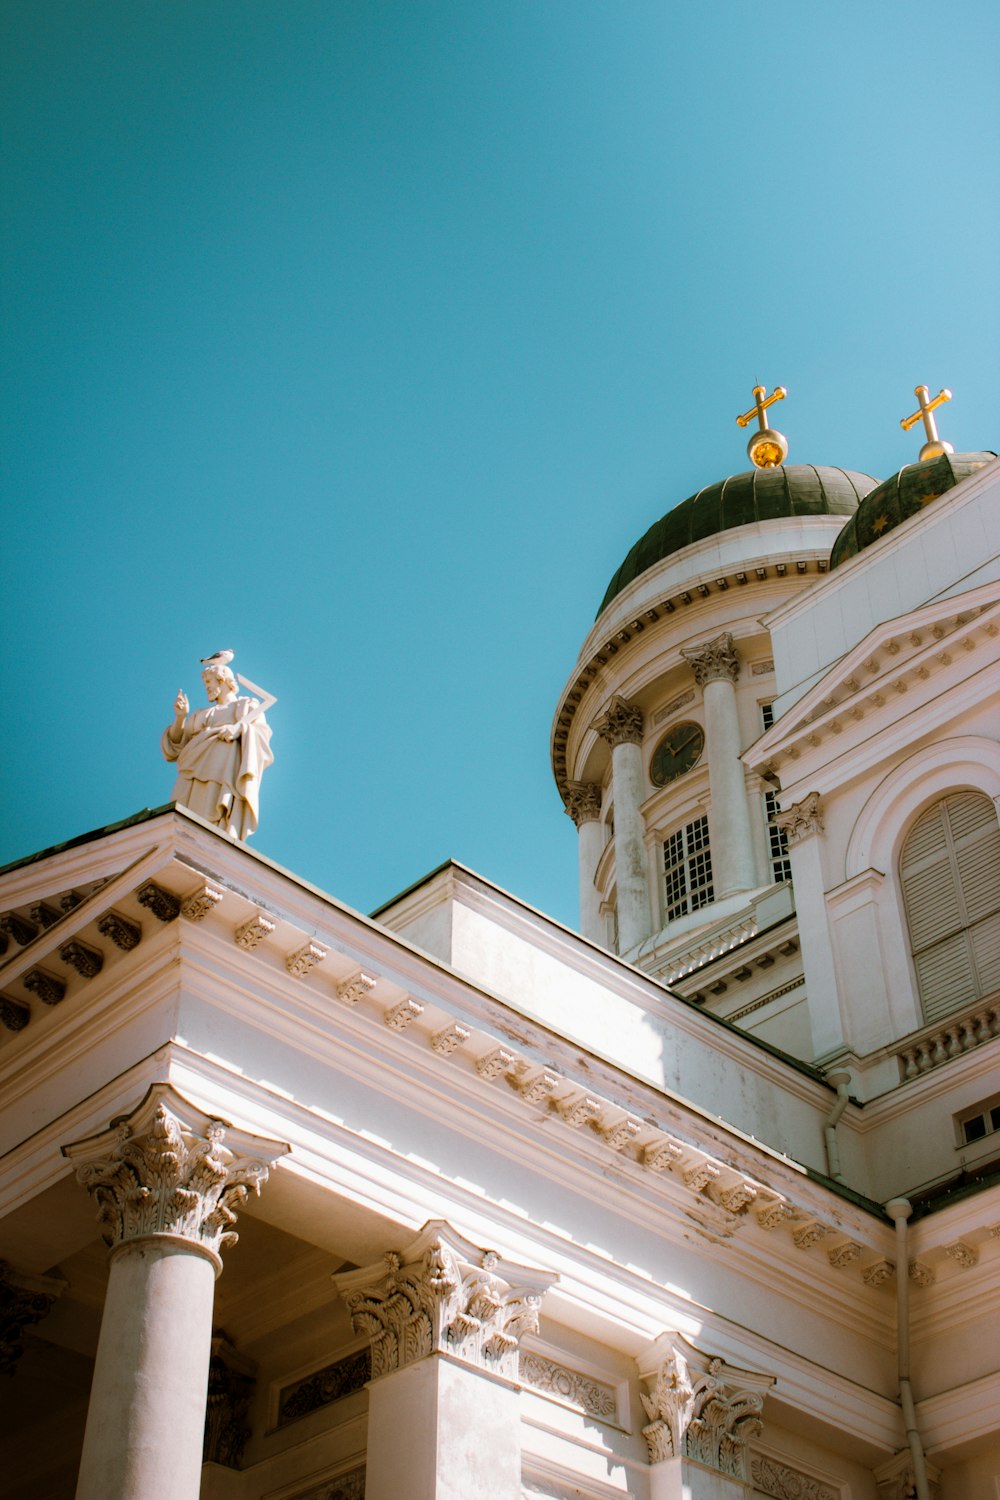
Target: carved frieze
x,y
700,1407
324,1386
167,1168
445,1296
801,819
591,1396
349,1486
205,899
164,905
716,660
583,801
24,1301
80,956
621,723
49,988
231,1382
251,933
123,933
772,1477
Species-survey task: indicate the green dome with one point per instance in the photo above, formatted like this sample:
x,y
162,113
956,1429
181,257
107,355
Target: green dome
x,y
740,500
900,497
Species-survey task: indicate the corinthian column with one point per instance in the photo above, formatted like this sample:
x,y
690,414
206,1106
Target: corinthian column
x,y
445,1320
583,805
621,726
167,1180
716,666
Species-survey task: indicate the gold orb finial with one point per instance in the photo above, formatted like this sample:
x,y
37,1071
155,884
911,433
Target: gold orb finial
x,y
934,446
766,448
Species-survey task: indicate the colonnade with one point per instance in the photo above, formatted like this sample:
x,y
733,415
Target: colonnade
x,y
444,1317
716,668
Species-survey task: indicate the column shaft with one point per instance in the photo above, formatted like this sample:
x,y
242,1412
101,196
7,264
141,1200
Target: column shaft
x,y
146,1419
630,849
733,864
591,847
439,1430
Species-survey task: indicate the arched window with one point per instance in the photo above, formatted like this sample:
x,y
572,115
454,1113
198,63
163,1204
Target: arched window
x,y
949,870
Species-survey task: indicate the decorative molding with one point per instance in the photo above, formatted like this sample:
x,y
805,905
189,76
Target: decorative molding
x,y
13,1016
844,1254
920,1274
700,1407
13,925
169,1169
804,1236
801,819
558,1380
304,959
962,1254
583,801
537,1087
356,987
123,933
878,1273
400,1016
772,1477
699,1174
349,1486
324,1386
897,1481
445,1041
49,988
621,723
251,933
716,660
24,1301
68,900
579,1109
500,1060
443,1295
622,1133
205,899
231,1383
783,989
737,1198
762,668
164,905
773,1213
673,707
45,915
662,1156
85,960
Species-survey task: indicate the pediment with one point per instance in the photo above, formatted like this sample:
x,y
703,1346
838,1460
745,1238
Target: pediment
x,y
891,658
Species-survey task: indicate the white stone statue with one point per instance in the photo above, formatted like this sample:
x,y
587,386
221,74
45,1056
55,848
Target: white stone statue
x,y
221,751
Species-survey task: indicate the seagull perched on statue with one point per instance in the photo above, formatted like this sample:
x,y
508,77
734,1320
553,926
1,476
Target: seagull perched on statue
x,y
218,659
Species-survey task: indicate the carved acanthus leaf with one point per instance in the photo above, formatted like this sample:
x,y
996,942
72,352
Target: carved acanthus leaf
x,y
716,660
702,1409
169,1169
444,1296
621,723
583,801
801,819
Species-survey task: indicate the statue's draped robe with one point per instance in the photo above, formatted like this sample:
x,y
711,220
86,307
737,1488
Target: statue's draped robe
x,y
218,779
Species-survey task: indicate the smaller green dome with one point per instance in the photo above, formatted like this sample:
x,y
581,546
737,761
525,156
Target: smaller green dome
x,y
902,496
740,500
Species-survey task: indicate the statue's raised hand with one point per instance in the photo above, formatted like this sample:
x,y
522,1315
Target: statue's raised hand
x,y
181,705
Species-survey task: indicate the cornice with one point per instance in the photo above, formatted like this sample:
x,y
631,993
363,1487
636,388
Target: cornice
x,y
897,655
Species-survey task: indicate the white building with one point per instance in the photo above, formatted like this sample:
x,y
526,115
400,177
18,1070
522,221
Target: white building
x,y
634,1207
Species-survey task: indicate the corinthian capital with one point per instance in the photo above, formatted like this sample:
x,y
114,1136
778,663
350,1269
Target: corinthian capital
x,y
699,1407
713,661
444,1296
621,723
169,1169
801,819
583,801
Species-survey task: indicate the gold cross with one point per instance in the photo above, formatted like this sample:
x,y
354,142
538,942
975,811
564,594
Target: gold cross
x,y
767,448
934,446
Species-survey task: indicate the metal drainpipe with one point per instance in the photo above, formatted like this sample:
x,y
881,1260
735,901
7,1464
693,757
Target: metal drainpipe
x,y
841,1082
899,1210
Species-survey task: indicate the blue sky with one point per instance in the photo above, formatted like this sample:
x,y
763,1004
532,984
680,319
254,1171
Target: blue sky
x,y
367,337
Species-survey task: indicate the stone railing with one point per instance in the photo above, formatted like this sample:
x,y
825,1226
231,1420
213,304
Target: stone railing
x,y
951,1038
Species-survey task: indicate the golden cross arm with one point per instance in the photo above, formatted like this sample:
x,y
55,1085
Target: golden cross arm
x,y
923,411
760,405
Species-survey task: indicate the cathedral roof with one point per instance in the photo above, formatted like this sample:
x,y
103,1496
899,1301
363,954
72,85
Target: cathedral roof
x,y
740,500
902,496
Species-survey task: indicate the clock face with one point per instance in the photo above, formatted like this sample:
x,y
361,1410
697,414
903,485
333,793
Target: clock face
x,y
679,750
